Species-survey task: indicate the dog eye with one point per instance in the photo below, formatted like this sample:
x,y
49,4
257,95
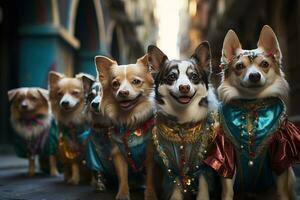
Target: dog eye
x,y
264,64
136,82
59,94
115,84
171,77
194,76
75,93
239,66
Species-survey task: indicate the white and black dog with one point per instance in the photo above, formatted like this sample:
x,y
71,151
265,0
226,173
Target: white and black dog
x,y
185,124
97,142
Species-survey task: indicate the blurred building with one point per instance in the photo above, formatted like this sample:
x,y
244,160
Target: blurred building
x,y
37,36
211,19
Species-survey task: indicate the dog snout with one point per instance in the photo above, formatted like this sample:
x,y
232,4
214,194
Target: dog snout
x,y
123,93
184,88
24,105
95,105
254,77
65,104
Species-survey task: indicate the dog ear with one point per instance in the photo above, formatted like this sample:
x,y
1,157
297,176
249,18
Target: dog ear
x,y
87,81
103,65
143,61
156,58
44,93
202,55
53,78
12,94
268,41
231,46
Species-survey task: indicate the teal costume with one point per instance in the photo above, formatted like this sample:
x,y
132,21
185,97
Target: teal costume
x,y
44,145
132,143
98,152
263,141
182,159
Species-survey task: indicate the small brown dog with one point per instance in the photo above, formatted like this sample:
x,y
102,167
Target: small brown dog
x,y
127,101
36,129
67,101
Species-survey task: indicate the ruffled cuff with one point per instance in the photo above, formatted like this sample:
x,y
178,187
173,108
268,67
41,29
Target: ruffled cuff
x,y
284,149
221,156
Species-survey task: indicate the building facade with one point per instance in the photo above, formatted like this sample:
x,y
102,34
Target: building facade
x,y
37,36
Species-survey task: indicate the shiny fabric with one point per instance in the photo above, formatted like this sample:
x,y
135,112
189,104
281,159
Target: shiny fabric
x,y
70,148
44,145
171,152
285,149
98,152
221,157
274,145
133,143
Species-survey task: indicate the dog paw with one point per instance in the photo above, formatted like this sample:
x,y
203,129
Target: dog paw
x,y
122,196
150,195
30,174
54,173
73,181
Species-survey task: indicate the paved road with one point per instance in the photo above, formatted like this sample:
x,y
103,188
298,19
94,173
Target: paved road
x,y
15,185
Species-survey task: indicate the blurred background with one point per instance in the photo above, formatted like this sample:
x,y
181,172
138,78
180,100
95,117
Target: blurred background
x,y
37,36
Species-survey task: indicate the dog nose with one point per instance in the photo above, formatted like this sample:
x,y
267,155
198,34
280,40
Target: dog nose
x,y
254,77
184,88
65,104
123,93
24,106
95,105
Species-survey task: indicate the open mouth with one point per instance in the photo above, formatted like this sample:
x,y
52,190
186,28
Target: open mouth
x,y
183,99
128,104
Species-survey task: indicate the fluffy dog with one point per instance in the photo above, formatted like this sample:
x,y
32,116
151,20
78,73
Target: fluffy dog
x,y
67,101
127,92
97,141
253,118
186,124
36,130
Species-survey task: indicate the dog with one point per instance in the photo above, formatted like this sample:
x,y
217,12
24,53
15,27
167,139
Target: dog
x,y
127,101
186,124
97,141
37,133
253,117
67,102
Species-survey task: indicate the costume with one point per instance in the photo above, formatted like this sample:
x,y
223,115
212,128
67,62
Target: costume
x,y
70,148
181,150
133,142
44,144
98,153
259,139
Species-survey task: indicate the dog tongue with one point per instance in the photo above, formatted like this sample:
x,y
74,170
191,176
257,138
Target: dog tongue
x,y
184,99
125,104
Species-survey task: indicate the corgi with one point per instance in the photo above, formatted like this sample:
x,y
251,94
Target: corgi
x,y
98,146
253,118
186,124
127,101
67,101
31,118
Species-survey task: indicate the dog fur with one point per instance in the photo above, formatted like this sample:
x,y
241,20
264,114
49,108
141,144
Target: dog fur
x,y
27,103
127,101
237,84
182,106
67,101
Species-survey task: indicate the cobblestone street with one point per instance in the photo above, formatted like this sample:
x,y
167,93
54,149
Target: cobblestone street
x,y
15,185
